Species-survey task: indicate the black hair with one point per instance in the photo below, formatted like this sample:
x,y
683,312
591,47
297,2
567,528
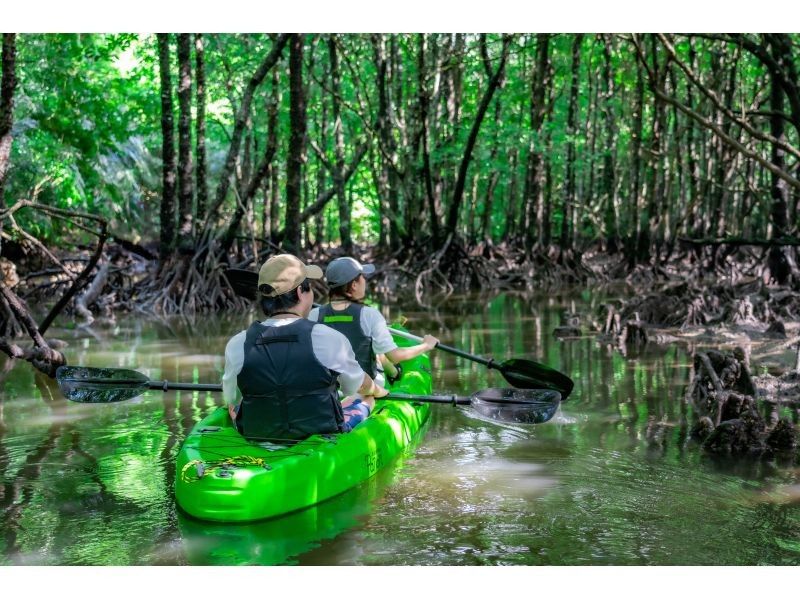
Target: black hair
x,y
343,291
285,302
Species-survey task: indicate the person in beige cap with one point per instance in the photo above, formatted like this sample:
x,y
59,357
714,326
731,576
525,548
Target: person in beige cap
x,y
364,326
288,368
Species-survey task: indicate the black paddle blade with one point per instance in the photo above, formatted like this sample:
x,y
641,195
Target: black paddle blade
x,y
521,406
523,373
243,282
100,385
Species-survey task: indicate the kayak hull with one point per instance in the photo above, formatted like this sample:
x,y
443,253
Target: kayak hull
x,y
223,477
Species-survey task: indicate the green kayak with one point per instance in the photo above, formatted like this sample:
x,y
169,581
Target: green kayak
x,y
221,476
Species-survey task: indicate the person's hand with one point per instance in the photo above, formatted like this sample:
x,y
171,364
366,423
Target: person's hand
x,y
232,412
379,391
430,341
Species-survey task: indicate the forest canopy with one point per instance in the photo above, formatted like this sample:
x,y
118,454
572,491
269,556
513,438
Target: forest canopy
x,y
585,138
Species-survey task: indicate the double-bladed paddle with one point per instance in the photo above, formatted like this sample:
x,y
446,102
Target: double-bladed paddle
x,y
112,385
243,282
520,373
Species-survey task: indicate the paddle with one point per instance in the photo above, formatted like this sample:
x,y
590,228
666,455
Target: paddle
x,y
112,385
520,373
243,282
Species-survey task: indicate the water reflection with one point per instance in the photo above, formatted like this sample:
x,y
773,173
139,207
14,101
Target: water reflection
x,y
613,478
285,539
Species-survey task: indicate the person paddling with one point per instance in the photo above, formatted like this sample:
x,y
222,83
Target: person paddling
x,y
364,326
287,368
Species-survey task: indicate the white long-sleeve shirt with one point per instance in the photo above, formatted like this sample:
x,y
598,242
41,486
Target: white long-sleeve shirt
x,y
330,346
373,325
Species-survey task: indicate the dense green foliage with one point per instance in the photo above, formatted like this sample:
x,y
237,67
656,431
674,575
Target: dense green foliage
x,y
87,134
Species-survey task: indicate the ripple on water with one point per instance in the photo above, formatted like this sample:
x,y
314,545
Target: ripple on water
x,y
784,494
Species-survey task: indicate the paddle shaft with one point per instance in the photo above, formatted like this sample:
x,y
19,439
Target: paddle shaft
x,y
451,399
447,349
456,400
165,385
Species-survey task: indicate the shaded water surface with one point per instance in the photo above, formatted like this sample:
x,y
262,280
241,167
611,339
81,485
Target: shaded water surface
x,y
613,479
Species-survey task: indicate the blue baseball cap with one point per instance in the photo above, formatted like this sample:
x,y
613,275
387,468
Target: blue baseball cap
x,y
344,269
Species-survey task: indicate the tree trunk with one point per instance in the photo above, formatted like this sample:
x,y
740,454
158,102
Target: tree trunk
x,y
570,199
167,237
7,88
272,139
778,188
772,46
494,177
546,235
636,151
185,182
727,157
338,144
388,178
608,181
423,121
297,145
322,172
592,115
323,198
651,215
458,192
675,204
200,130
534,198
511,221
692,225
242,116
251,183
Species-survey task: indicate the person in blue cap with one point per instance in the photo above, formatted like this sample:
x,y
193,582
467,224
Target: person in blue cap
x,y
364,326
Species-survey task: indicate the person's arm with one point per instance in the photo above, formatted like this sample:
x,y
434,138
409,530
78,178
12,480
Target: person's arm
x,y
374,325
389,368
369,388
333,351
405,353
234,360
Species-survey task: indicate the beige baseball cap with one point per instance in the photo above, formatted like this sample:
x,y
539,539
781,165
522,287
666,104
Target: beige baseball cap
x,y
285,272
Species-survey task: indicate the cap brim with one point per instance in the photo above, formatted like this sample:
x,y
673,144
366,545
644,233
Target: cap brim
x,y
367,269
314,272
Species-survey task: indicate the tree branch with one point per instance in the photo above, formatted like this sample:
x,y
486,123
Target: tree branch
x,y
324,197
712,127
720,106
238,130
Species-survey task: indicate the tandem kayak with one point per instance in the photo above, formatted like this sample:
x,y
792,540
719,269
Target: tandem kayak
x,y
221,476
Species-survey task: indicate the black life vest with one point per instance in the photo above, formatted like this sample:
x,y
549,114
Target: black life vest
x,y
287,394
348,322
